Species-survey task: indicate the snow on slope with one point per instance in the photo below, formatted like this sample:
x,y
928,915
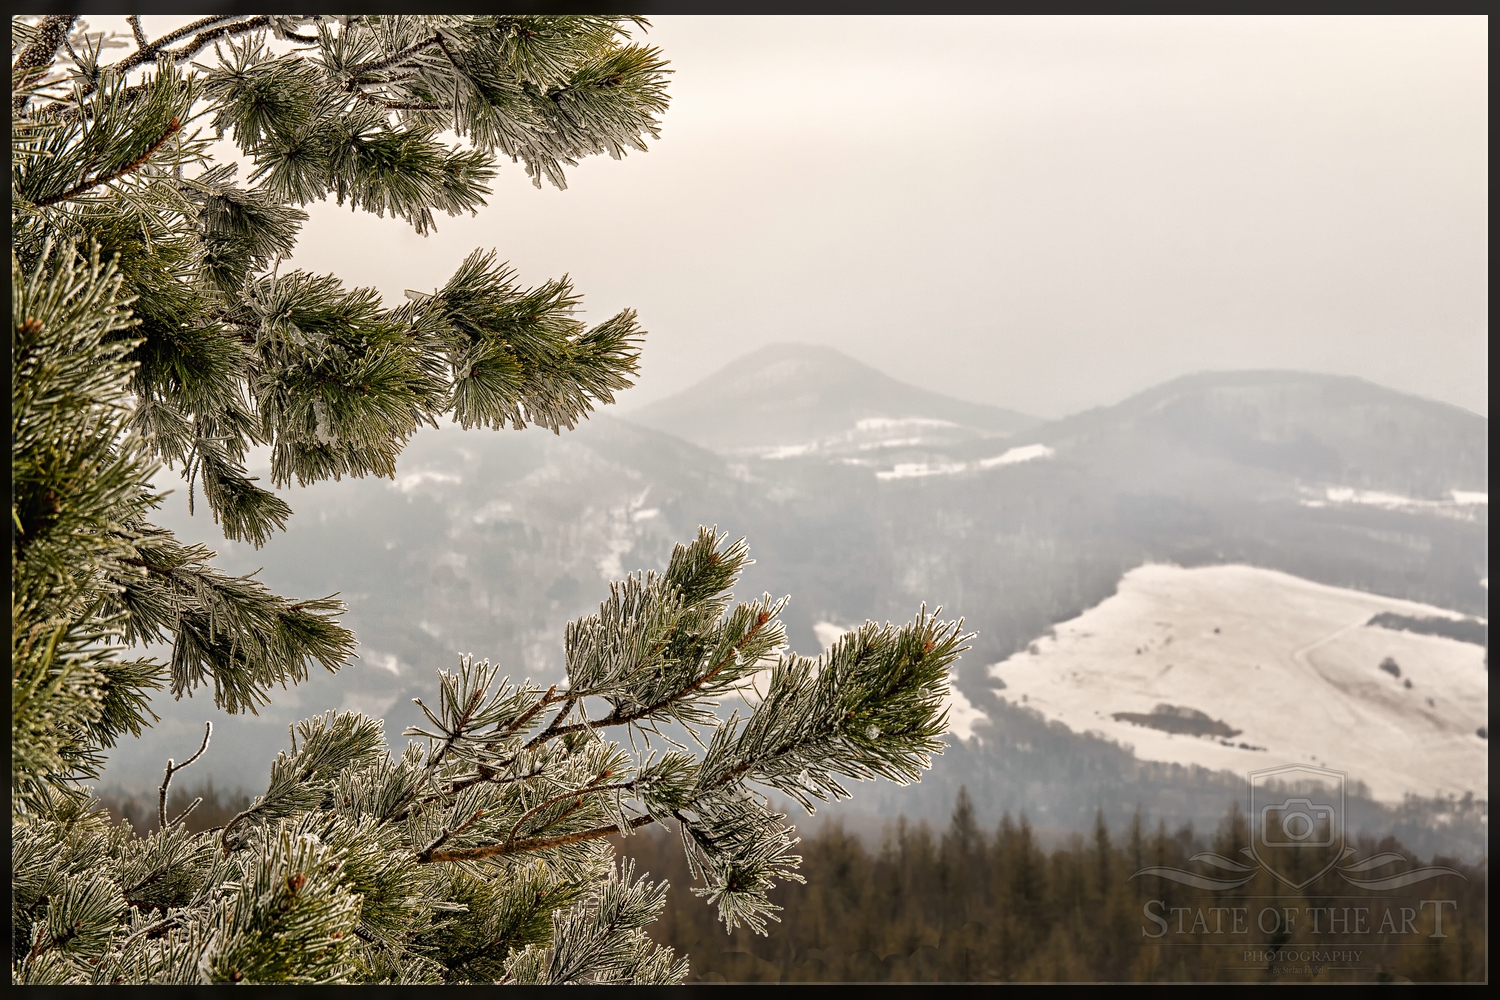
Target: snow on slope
x,y
911,470
1289,663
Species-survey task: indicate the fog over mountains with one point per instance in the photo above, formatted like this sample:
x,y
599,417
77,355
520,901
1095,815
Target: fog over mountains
x,y
862,497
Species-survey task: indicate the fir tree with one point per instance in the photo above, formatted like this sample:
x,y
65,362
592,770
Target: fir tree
x,y
152,323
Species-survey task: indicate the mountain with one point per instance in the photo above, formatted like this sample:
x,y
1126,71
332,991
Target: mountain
x,y
863,498
791,398
1321,430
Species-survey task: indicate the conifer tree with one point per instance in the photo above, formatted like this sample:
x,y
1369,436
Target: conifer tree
x,y
153,323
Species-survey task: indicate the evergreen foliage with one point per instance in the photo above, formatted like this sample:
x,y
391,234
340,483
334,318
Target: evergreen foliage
x,y
152,323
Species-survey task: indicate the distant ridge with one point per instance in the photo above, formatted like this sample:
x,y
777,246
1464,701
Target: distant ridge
x,y
1335,429
790,393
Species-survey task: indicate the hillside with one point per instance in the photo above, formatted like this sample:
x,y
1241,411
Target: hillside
x,y
1319,429
489,542
1238,668
789,398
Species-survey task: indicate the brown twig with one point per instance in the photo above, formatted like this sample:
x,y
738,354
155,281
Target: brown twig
x,y
381,102
616,719
188,811
546,699
551,729
149,930
234,821
134,20
172,129
391,60
588,789
531,843
459,786
458,730
443,837
212,28
172,768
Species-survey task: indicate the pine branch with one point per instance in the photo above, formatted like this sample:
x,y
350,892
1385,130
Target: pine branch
x,y
448,834
386,105
590,789
617,718
150,930
543,702
552,727
134,21
394,59
213,29
172,129
533,844
458,730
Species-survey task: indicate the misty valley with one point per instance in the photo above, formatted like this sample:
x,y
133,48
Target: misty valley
x,y
1210,528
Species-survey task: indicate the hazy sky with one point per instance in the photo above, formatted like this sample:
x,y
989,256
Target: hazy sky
x,y
1042,213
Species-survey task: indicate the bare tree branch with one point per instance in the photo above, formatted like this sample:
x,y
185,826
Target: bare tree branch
x,y
161,806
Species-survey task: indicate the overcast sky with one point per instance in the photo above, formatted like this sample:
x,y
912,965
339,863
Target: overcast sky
x,y
1042,213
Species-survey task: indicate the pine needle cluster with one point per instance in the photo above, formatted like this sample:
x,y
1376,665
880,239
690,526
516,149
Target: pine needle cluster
x,y
153,323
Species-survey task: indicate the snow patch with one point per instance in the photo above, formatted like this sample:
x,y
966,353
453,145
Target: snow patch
x,y
891,443
1292,665
915,470
622,535
962,714
610,566
787,450
1395,501
891,423
1025,453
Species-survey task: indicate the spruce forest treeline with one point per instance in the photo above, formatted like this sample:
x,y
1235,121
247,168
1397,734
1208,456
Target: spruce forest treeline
x,y
970,905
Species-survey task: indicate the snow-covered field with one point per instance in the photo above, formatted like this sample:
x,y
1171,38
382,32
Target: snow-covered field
x,y
1289,663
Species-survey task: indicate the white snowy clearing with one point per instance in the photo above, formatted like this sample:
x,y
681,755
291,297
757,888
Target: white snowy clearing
x,y
914,470
1289,668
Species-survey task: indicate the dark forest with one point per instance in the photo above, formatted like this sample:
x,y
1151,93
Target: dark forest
x,y
966,904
